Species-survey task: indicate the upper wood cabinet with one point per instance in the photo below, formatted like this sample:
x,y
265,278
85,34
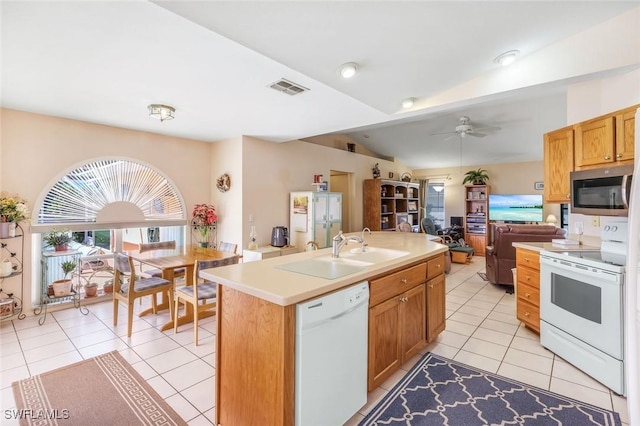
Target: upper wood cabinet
x,y
558,164
625,138
595,142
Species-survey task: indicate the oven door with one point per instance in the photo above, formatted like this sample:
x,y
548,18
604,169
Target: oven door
x,y
584,302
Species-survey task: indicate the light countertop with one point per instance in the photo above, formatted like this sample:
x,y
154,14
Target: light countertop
x,y
264,280
553,247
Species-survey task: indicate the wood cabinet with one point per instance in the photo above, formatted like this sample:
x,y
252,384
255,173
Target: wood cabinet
x,y
388,203
595,142
558,164
476,216
397,321
528,288
625,137
436,316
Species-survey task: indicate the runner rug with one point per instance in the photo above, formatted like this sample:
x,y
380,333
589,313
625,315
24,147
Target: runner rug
x,y
102,390
439,391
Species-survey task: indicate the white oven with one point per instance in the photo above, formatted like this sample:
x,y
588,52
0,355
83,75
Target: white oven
x,y
582,312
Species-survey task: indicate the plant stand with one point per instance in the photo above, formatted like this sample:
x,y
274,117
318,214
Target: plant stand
x,y
50,266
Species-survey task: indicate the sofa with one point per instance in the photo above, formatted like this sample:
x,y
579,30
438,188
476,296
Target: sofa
x,y
501,256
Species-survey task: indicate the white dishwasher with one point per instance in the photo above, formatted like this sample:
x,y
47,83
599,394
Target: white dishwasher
x,y
331,357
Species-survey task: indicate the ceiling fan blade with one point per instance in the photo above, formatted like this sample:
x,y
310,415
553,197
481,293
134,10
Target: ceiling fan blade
x,y
445,133
488,129
476,134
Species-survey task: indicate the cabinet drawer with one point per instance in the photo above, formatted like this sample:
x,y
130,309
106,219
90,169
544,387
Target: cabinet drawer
x,y
435,266
528,258
529,314
384,288
529,276
528,293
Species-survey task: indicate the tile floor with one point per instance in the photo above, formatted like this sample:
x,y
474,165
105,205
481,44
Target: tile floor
x,y
481,331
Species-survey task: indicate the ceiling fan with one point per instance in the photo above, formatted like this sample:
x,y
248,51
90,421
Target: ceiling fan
x,y
465,128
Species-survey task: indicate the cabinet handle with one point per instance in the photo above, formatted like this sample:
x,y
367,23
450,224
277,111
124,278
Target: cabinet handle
x,y
527,295
618,155
430,285
607,157
403,280
526,259
568,196
438,266
403,299
526,314
528,278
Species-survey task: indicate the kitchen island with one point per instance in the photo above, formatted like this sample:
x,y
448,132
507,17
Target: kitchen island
x,y
255,342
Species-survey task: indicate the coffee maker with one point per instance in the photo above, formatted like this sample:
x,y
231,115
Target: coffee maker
x,y
279,236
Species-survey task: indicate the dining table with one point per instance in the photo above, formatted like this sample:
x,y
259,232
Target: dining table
x,y
167,260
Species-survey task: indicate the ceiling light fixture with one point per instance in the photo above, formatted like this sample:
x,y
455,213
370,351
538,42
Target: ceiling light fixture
x,y
161,112
348,70
506,58
408,103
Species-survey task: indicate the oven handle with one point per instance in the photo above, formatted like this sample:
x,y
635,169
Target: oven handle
x,y
626,190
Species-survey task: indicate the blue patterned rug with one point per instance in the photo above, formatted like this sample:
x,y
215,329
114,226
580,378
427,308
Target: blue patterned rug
x,y
439,391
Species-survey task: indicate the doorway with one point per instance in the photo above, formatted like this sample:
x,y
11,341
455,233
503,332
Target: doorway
x,y
343,182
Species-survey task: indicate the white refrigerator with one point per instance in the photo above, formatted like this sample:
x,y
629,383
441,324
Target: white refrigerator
x,y
632,311
314,216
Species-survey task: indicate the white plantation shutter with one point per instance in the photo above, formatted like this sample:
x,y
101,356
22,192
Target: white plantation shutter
x,y
79,197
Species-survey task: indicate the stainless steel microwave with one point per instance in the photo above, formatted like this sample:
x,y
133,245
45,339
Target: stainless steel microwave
x,y
601,192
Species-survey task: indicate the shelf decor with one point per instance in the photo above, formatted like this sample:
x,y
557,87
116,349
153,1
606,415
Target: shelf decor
x,y
13,209
203,221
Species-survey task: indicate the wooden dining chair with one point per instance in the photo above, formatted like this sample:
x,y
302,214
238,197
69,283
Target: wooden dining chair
x,y
162,245
202,294
228,247
127,287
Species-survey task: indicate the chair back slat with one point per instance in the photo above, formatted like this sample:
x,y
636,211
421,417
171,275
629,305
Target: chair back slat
x,y
228,247
212,263
162,245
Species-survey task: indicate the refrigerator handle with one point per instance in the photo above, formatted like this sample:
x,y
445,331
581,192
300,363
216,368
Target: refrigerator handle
x,y
626,191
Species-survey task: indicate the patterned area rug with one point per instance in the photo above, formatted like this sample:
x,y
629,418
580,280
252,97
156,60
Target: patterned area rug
x,y
103,390
483,276
439,391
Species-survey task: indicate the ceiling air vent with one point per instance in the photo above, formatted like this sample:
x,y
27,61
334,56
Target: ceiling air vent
x,y
288,87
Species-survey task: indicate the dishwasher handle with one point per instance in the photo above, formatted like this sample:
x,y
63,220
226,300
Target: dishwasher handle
x,y
363,304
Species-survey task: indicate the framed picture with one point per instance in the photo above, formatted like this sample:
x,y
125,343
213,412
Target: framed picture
x,y
413,206
539,185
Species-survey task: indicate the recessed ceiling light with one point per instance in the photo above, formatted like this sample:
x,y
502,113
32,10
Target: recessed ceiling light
x,y
408,103
506,58
348,70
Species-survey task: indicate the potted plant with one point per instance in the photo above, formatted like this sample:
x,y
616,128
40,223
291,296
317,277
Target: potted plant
x,y
58,239
63,287
476,177
91,290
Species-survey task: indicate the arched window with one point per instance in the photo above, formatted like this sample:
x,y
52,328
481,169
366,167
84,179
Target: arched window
x,y
117,193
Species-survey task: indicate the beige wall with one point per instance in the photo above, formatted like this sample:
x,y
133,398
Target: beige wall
x,y
38,149
508,178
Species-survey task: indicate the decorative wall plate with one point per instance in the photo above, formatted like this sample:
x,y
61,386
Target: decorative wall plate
x,y
223,183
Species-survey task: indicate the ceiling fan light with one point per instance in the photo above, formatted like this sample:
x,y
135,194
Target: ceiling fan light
x,y
348,70
506,58
408,103
161,112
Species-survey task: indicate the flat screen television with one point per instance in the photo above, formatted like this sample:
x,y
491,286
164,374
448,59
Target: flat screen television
x,y
515,208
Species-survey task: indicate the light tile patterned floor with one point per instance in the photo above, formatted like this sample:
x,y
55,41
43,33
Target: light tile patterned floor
x,y
481,331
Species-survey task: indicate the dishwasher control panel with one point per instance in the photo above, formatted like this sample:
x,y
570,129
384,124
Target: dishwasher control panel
x,y
356,294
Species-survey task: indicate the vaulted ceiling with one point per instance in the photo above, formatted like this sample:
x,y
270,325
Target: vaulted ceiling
x,y
104,62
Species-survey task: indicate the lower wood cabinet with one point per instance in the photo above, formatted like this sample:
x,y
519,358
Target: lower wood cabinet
x,y
528,288
436,316
407,309
396,333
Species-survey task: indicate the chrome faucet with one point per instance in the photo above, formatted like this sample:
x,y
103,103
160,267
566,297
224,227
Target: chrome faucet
x,y
363,243
340,241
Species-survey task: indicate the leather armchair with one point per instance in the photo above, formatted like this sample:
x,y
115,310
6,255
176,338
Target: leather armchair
x,y
501,256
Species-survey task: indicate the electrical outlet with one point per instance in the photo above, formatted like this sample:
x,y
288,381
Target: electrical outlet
x,y
595,221
250,217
